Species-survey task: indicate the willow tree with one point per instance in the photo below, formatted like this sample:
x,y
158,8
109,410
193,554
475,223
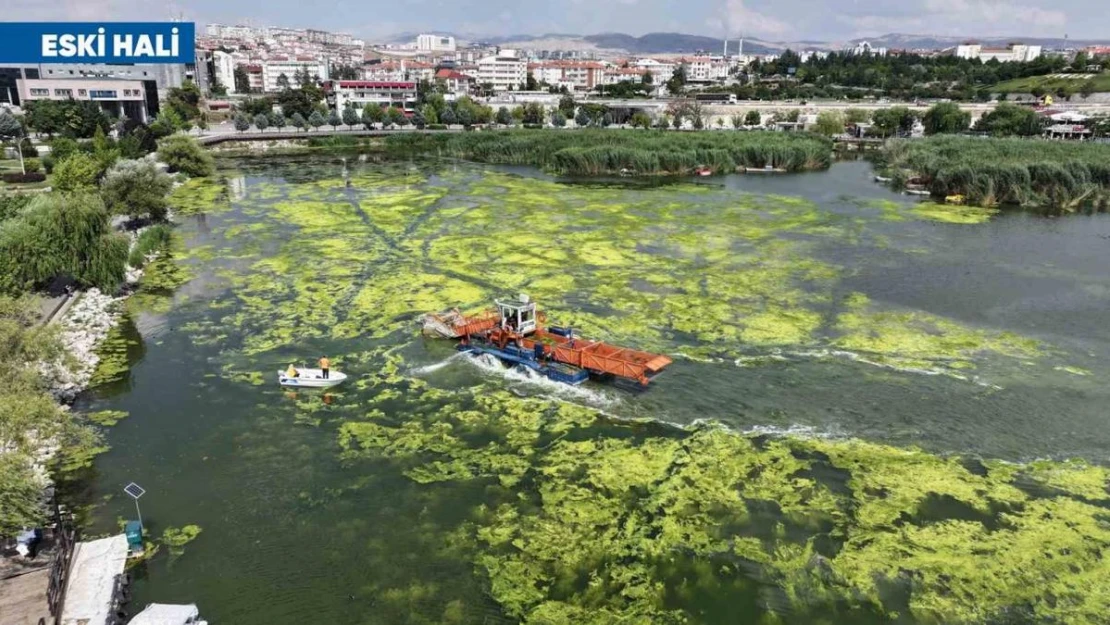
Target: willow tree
x,y
61,235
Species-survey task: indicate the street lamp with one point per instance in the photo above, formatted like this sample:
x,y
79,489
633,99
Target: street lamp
x,y
135,491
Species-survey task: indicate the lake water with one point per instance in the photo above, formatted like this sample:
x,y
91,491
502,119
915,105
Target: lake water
x,y
818,308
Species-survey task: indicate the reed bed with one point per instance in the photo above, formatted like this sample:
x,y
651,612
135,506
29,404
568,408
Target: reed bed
x,y
989,172
606,152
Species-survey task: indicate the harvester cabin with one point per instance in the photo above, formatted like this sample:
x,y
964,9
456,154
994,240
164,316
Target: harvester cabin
x,y
518,316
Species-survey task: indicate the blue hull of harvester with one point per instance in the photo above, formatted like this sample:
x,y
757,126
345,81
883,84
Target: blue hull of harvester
x,y
517,356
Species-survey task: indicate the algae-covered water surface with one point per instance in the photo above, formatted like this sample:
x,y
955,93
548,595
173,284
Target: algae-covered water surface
x,y
879,411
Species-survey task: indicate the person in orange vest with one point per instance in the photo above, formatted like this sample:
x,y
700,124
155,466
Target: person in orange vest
x,y
325,364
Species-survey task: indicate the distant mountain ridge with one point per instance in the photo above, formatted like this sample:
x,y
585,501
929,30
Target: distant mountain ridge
x,y
679,43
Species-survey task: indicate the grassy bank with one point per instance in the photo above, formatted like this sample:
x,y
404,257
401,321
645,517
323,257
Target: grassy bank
x,y
601,152
1022,172
1099,83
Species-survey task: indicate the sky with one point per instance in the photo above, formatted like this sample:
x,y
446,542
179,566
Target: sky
x,y
775,20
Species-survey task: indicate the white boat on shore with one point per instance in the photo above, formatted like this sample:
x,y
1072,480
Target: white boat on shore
x,y
312,378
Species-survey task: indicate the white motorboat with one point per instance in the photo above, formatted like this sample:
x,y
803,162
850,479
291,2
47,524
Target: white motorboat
x,y
312,378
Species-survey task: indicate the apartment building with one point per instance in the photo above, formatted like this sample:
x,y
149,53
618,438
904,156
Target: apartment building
x,y
705,69
119,98
505,71
661,71
1015,52
223,69
455,81
581,75
399,71
399,94
272,70
435,43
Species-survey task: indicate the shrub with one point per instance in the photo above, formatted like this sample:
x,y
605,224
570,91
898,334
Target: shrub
x,y
436,126
19,178
12,203
136,189
62,148
76,173
32,165
182,153
48,163
152,239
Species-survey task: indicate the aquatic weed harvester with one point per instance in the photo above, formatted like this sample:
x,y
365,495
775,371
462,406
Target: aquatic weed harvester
x,y
514,332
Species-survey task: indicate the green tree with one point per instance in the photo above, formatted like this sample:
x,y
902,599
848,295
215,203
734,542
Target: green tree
x,y
372,114
185,100
856,116
1010,120
242,122
946,118
183,154
298,121
753,118
582,119
647,79
316,120
418,119
558,120
62,234
393,116
1079,63
75,174
301,101
530,83
829,123
894,120
464,116
242,79
11,129
676,84
351,117
504,117
136,188
254,106
217,89
261,121
1087,88
431,114
334,120
448,116
533,113
282,81
567,105
277,120
639,119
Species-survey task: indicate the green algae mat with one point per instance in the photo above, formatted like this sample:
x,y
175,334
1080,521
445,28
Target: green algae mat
x,y
880,411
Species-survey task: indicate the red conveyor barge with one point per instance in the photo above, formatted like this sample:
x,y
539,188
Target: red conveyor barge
x,y
514,332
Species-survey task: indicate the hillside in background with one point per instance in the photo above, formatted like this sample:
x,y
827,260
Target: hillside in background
x,y
676,43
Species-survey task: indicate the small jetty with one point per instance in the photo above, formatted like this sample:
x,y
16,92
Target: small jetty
x,y
514,332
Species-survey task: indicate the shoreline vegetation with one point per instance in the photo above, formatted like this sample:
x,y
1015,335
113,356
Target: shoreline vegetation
x,y
593,152
639,152
97,232
1004,171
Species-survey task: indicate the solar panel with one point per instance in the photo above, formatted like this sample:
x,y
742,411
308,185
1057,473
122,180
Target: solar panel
x,y
134,490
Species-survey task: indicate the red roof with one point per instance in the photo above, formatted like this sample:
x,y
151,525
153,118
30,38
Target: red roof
x,y
375,84
450,74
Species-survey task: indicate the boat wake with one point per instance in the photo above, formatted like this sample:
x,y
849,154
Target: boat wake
x,y
554,390
432,368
